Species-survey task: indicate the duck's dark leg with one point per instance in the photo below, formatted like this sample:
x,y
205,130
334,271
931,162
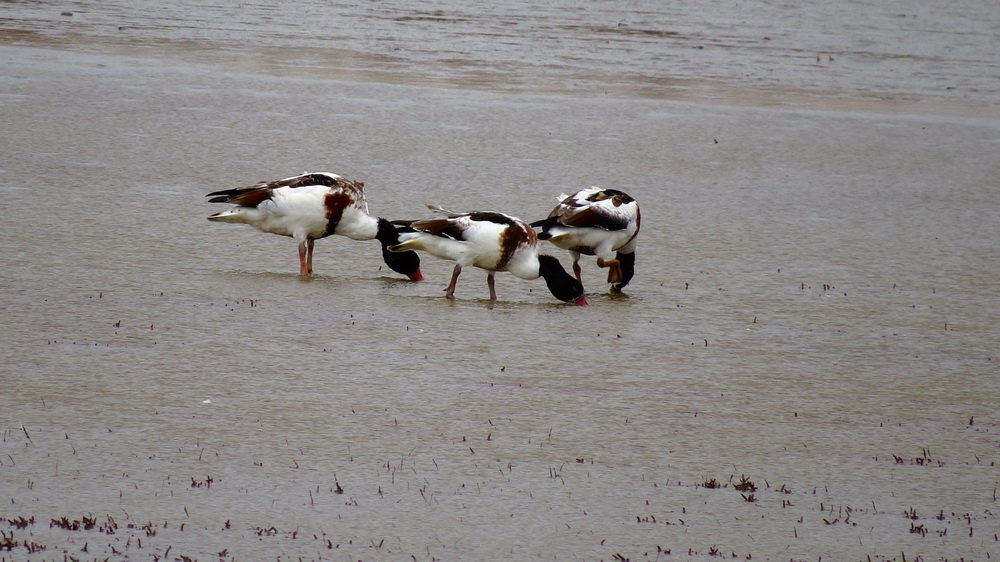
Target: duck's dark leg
x,y
449,291
626,264
491,283
576,266
614,271
304,267
309,255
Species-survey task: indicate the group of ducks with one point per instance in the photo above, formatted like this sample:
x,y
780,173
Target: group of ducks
x,y
592,221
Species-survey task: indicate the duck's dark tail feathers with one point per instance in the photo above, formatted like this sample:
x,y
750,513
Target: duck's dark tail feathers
x,y
545,224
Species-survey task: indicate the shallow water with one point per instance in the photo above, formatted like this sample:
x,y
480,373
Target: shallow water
x,y
814,308
747,52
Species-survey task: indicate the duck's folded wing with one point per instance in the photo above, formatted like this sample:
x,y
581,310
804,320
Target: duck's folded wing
x,y
446,228
608,217
242,196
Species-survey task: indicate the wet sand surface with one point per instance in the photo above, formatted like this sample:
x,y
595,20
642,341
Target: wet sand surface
x,y
804,367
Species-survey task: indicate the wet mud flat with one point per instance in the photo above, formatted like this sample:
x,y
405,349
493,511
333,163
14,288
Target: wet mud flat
x,y
462,496
804,367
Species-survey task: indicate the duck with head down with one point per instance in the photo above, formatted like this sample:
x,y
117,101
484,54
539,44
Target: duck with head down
x,y
312,206
596,222
491,241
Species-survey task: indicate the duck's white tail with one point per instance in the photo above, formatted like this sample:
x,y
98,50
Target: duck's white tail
x,y
408,241
236,214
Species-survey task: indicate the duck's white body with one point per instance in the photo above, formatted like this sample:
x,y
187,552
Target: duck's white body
x,y
306,207
304,212
491,241
599,222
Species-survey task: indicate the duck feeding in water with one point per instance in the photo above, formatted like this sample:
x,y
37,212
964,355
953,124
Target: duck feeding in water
x,y
596,222
310,206
491,241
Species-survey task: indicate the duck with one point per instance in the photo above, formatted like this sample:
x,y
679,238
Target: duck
x,y
596,222
310,206
489,240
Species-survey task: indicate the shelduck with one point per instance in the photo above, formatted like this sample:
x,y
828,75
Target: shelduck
x,y
312,206
491,241
596,222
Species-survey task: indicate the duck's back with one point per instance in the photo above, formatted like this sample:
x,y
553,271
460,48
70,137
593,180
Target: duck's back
x,y
312,205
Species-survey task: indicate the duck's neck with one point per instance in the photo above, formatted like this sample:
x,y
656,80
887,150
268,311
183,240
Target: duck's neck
x,y
406,263
561,284
386,233
358,226
627,264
